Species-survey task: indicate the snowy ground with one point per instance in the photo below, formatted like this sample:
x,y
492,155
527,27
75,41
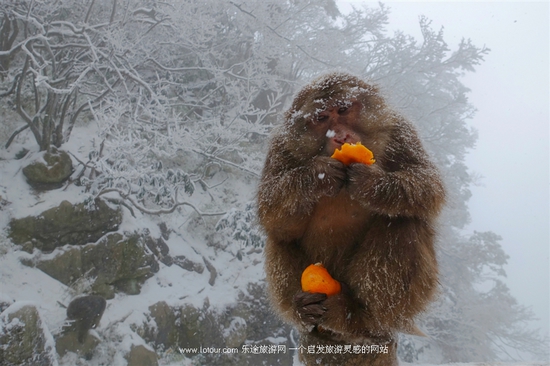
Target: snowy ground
x,y
171,284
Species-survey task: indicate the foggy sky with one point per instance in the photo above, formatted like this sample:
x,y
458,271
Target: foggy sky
x,y
511,93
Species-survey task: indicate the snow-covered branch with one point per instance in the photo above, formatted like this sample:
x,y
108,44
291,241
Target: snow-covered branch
x,y
126,196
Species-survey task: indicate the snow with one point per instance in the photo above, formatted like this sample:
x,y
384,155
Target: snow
x,y
236,323
25,284
173,284
49,342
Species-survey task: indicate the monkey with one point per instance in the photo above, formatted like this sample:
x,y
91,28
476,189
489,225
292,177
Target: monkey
x,y
373,227
85,313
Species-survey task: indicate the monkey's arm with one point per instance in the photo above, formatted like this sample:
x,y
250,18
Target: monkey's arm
x,y
403,182
284,263
288,192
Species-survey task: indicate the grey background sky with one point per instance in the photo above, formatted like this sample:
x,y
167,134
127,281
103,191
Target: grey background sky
x,y
511,92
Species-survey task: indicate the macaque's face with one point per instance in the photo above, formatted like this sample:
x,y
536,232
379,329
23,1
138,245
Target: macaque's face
x,y
332,111
336,125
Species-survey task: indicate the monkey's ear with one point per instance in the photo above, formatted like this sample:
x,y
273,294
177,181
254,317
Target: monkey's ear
x,y
295,121
300,100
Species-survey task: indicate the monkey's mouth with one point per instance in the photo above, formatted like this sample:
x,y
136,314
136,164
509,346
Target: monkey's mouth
x,y
339,141
336,143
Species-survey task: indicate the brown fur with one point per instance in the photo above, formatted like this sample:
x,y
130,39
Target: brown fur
x,y
370,226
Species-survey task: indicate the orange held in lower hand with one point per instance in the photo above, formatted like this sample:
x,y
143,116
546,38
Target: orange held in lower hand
x,y
354,153
316,279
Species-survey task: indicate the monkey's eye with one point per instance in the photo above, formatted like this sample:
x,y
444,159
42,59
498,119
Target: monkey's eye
x,y
322,118
342,110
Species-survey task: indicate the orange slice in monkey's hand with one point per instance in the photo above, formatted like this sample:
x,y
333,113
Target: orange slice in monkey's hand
x,y
316,279
354,153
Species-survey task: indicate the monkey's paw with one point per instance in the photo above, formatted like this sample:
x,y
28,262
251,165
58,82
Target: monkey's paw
x,y
330,175
363,180
309,307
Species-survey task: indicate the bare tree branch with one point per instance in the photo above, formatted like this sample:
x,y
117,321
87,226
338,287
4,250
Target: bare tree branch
x,y
14,135
127,197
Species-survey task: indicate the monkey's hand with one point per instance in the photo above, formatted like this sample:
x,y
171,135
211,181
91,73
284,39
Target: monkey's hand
x,y
361,180
340,314
411,191
309,307
330,175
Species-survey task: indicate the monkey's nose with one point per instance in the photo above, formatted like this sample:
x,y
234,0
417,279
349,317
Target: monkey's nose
x,y
343,139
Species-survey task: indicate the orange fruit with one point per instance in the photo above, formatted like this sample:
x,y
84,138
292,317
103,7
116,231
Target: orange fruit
x,y
354,153
316,279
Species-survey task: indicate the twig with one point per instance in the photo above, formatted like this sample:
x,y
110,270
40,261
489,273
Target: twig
x,y
14,134
157,212
281,36
227,162
119,202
